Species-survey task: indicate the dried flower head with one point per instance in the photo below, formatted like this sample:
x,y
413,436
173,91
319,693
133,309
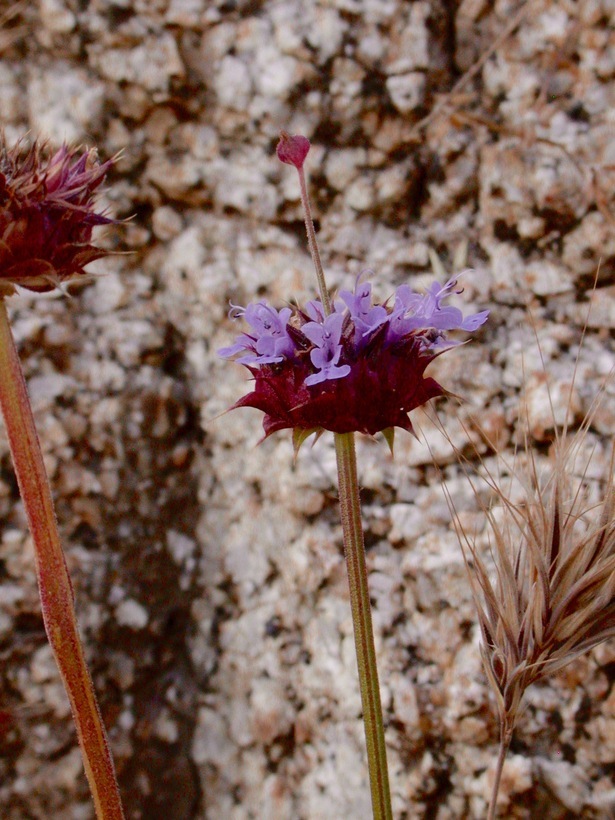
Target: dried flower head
x,y
359,369
47,215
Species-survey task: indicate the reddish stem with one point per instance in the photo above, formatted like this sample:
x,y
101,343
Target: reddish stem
x,y
53,579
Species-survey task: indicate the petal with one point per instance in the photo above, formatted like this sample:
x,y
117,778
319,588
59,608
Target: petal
x,y
242,343
475,320
316,378
314,332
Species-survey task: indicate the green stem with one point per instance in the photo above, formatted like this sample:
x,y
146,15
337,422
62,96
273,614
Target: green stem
x,y
53,579
354,549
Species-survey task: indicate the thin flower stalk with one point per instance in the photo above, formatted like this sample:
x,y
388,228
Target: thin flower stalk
x,y
54,583
293,151
506,733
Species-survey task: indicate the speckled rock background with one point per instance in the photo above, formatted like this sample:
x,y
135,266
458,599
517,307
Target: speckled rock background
x,y
209,571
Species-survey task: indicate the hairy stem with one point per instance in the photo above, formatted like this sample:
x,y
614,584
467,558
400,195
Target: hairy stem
x,y
313,245
53,578
354,549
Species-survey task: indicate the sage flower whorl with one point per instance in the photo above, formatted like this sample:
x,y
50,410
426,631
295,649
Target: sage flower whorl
x,y
360,369
47,215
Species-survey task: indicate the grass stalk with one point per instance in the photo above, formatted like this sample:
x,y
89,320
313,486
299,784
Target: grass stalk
x,y
505,738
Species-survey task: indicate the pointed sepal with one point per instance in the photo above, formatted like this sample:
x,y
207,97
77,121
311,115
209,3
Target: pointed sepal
x,y
300,435
389,436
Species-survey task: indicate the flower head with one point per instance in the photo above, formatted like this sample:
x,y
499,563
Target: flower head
x,y
359,369
349,365
47,215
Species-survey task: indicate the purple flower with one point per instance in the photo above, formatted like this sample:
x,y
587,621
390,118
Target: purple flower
x,y
270,341
365,317
315,310
326,354
413,311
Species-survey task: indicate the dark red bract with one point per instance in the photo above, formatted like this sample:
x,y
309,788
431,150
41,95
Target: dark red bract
x,y
386,382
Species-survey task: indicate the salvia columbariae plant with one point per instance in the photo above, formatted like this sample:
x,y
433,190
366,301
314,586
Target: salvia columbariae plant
x,y
47,215
347,365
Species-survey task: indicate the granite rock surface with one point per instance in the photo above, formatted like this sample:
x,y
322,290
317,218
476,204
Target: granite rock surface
x,y
208,570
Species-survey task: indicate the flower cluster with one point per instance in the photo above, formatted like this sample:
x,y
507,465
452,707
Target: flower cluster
x,y
358,369
46,215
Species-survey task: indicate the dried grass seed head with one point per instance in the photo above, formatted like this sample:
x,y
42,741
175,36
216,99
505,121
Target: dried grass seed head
x,y
552,595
